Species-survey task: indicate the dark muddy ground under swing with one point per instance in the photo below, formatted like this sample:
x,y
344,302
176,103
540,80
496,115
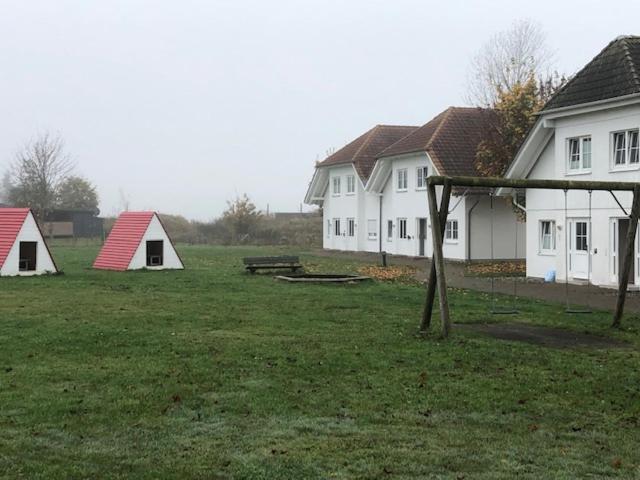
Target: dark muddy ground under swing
x,y
544,336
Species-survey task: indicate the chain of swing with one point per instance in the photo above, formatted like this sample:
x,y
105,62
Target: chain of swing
x,y
513,309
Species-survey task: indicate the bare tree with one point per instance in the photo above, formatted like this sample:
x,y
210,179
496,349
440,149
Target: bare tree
x,y
509,58
37,172
5,187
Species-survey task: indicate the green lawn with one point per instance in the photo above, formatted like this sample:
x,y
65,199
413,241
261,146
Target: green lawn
x,y
211,373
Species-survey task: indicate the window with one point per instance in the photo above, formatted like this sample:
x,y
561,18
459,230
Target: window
x,y
402,228
155,253
547,236
402,179
451,230
336,226
581,236
625,148
421,177
389,230
336,185
372,229
351,184
351,227
27,256
579,154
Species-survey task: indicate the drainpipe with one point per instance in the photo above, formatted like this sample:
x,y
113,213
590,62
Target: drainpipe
x,y
469,229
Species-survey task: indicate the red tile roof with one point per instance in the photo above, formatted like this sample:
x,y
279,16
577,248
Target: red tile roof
x,y
11,221
363,150
451,139
123,241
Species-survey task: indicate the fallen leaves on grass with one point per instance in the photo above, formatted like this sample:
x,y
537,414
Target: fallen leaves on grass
x,y
496,268
392,273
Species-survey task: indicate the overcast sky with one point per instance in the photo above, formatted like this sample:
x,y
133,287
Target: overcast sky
x,y
180,105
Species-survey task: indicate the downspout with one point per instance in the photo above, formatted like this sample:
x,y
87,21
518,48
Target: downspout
x,y
469,229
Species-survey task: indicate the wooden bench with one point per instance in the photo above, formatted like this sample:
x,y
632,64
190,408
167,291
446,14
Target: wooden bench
x,y
271,263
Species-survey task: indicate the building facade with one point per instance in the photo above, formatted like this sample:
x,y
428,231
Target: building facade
x,y
380,204
588,131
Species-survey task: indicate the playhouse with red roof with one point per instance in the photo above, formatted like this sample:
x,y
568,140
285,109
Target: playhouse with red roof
x,y
23,250
138,240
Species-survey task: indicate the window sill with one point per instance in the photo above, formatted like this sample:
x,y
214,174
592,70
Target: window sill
x,y
420,189
625,168
543,253
401,190
451,242
335,195
350,194
569,173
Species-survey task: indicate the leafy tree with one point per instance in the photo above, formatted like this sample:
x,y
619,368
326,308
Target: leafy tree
x,y
77,193
515,109
37,172
242,217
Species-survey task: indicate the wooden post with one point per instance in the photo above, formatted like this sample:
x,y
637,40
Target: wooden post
x,y
628,258
432,280
438,257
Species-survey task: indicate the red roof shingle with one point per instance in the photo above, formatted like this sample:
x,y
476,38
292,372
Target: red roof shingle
x,y
451,139
11,221
362,151
123,241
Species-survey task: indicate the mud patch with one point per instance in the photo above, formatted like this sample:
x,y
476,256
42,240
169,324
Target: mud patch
x,y
544,336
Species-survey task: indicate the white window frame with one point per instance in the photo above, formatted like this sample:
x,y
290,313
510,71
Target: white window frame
x,y
372,229
552,237
626,150
336,186
336,227
402,180
451,234
580,156
421,177
389,230
351,227
351,184
402,229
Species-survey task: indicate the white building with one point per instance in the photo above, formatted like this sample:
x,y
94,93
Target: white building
x,y
373,192
23,250
587,131
138,240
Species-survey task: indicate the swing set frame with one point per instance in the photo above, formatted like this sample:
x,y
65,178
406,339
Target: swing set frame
x,y
437,277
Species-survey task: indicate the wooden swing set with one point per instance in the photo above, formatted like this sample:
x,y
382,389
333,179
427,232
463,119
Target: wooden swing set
x,y
437,276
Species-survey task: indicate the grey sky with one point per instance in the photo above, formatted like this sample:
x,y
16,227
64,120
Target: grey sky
x,y
182,105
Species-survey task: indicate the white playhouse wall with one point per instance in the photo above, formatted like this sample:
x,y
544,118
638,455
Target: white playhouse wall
x,y
155,231
29,232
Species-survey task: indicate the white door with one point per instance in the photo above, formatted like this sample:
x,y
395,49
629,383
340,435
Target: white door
x,y
613,242
636,257
579,248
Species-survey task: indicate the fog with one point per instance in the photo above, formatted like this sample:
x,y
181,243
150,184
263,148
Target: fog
x,y
178,106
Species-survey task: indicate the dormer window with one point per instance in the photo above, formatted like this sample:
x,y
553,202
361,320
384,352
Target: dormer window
x,y
336,186
625,149
351,184
579,155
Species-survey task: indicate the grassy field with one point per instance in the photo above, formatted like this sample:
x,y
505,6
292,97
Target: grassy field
x,y
210,373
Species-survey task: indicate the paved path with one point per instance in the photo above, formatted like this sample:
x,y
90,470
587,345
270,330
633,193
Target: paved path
x,y
579,295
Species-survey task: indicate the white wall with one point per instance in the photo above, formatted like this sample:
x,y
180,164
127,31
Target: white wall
x,y
359,205
549,205
155,232
29,232
508,230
